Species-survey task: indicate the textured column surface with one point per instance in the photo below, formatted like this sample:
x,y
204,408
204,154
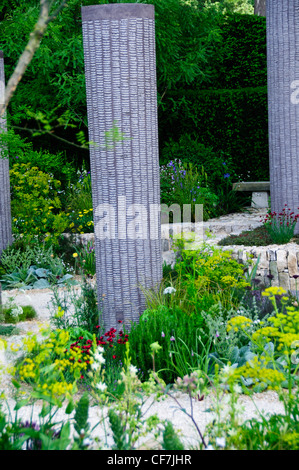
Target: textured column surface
x,y
283,85
5,212
120,70
260,7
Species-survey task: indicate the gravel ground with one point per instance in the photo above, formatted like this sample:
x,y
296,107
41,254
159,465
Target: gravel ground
x,y
266,402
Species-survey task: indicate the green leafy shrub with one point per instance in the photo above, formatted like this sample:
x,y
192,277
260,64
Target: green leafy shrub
x,y
15,314
183,184
24,252
79,309
79,193
215,172
21,151
279,432
224,120
8,330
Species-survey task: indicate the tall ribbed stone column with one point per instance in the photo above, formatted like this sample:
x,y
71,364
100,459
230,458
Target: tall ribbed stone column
x,y
283,83
120,70
5,213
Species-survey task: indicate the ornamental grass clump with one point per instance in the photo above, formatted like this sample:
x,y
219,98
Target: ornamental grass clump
x,y
164,325
281,226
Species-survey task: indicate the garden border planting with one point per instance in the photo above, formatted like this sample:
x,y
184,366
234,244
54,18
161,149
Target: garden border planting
x,y
278,264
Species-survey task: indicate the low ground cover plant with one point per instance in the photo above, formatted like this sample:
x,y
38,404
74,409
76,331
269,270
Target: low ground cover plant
x,y
256,237
275,229
33,266
12,313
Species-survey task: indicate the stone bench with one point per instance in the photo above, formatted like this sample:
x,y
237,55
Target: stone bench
x,y
260,192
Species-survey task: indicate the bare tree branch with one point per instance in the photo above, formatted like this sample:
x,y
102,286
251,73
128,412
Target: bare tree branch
x,y
55,136
33,44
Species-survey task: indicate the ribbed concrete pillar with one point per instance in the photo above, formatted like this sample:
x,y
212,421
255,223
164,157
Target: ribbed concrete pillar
x,y
120,70
260,7
283,85
5,212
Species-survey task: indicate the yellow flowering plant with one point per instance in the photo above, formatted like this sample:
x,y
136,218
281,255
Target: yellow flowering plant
x,y
80,222
276,344
53,362
221,271
206,277
35,201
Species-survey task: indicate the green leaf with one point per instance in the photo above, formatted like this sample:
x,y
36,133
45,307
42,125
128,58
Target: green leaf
x,y
70,407
41,284
21,403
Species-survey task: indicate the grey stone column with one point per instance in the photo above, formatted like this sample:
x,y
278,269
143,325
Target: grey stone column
x,y
5,212
120,70
283,86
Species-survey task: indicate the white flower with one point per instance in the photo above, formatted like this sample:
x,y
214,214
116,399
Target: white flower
x,y
87,442
101,386
133,369
209,447
227,370
220,441
100,349
169,290
99,358
237,389
16,311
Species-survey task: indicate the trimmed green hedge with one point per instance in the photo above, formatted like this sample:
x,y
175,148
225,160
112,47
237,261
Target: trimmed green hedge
x,y
228,114
231,121
241,57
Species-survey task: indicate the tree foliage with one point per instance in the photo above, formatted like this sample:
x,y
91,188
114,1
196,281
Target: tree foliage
x,y
51,97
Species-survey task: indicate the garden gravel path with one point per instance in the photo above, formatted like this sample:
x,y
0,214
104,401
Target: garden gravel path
x,y
266,402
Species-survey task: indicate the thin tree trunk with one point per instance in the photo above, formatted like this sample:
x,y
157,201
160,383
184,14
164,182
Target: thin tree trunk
x,y
33,44
260,7
283,104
